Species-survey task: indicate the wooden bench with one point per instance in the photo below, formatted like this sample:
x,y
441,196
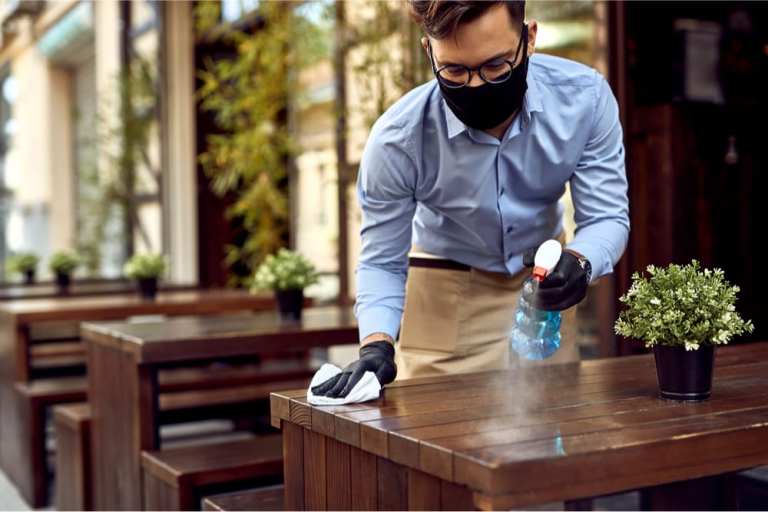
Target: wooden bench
x,y
178,478
268,498
188,394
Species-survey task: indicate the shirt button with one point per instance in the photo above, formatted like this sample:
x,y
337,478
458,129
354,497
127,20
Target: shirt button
x,y
501,191
509,229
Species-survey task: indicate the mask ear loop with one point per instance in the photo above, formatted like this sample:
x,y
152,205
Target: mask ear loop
x,y
523,44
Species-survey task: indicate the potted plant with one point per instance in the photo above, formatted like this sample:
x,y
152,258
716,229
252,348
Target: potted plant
x,y
287,273
146,269
682,312
63,264
24,263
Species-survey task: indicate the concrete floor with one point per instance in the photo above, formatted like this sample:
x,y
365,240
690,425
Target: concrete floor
x,y
9,498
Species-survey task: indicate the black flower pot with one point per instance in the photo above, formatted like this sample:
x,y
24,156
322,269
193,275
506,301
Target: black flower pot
x,y
29,276
147,287
63,281
684,374
290,303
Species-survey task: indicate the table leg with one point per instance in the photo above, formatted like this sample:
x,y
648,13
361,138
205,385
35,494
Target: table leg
x,y
123,399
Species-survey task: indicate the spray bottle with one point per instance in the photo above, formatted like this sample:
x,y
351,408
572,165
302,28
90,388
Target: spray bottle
x,y
536,334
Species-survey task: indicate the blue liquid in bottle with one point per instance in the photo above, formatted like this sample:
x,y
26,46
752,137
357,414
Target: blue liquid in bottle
x,y
536,334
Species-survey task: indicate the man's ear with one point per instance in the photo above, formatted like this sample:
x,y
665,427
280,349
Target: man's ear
x,y
533,27
425,44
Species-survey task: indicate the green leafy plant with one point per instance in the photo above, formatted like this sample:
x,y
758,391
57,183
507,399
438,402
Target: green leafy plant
x,y
286,270
64,262
145,266
249,95
681,305
22,262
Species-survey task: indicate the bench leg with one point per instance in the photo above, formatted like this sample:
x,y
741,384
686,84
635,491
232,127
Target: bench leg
x,y
22,454
73,468
160,495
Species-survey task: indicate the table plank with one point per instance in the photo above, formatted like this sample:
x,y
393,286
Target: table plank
x,y
363,480
392,485
423,491
293,465
315,497
338,471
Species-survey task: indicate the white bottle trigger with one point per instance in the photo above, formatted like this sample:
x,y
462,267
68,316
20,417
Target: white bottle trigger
x,y
546,258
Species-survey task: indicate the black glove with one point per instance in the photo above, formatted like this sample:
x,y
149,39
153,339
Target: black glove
x,y
377,357
565,286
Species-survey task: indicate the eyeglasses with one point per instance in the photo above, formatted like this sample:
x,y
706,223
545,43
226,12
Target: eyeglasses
x,y
495,71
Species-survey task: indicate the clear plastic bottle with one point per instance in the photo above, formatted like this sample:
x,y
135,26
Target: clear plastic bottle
x,y
536,334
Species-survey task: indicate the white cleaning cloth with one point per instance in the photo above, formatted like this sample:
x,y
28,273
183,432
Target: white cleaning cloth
x,y
367,389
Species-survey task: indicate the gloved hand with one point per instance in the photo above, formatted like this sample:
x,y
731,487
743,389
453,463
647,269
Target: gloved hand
x,y
565,286
377,357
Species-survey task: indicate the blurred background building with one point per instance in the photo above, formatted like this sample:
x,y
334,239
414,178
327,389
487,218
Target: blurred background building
x,y
215,131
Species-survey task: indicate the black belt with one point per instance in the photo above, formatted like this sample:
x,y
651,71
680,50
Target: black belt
x,y
437,263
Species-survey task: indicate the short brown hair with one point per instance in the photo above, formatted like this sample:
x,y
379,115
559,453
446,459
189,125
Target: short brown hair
x,y
440,18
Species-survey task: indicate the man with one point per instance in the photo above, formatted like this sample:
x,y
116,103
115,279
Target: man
x,y
465,172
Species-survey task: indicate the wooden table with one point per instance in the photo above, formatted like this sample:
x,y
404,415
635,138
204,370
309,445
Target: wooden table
x,y
124,360
514,439
21,321
79,288
17,318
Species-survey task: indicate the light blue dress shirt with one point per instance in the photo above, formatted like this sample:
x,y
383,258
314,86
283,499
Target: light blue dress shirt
x,y
427,179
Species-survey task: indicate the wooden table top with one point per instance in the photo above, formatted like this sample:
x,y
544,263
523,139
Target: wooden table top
x,y
79,288
108,307
193,338
556,432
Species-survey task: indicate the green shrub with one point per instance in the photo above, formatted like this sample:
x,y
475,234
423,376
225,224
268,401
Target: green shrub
x,y
21,262
145,266
286,270
681,305
64,262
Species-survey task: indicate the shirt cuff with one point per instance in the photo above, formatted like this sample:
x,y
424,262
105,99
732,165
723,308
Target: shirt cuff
x,y
378,319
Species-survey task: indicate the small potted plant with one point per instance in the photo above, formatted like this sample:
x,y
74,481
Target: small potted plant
x,y
24,263
146,269
682,312
287,273
63,265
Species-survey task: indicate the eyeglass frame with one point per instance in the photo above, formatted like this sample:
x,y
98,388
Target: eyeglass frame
x,y
478,69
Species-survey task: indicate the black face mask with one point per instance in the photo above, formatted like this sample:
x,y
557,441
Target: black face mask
x,y
489,105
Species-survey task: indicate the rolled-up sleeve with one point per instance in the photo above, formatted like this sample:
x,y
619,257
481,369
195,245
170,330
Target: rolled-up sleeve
x,y
386,191
599,189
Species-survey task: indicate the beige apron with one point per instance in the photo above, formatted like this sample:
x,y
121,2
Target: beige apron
x,y
459,321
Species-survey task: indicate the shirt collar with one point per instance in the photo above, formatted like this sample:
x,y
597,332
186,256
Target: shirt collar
x,y
532,103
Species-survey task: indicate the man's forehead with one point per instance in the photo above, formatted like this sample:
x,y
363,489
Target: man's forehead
x,y
473,53
478,40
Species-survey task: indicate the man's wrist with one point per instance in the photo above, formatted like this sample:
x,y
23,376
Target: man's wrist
x,y
377,336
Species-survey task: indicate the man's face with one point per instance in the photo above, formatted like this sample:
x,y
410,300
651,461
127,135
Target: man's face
x,y
488,37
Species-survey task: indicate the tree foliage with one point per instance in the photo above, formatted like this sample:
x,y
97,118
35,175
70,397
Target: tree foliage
x,y
250,95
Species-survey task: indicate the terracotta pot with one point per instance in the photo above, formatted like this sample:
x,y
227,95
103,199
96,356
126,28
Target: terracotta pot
x,y
684,374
